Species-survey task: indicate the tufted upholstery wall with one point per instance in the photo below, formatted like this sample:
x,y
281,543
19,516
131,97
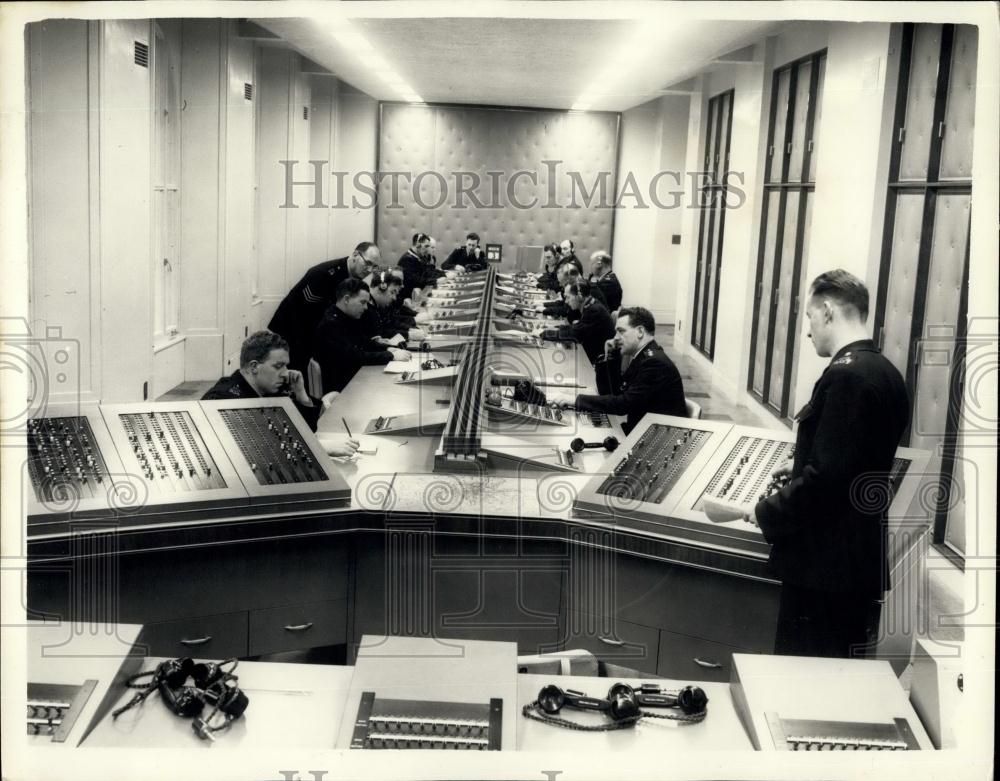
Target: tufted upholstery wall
x,y
432,144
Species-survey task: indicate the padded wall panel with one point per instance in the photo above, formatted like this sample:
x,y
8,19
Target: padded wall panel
x,y
902,279
956,152
453,144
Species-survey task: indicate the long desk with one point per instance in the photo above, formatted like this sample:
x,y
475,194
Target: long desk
x,y
494,554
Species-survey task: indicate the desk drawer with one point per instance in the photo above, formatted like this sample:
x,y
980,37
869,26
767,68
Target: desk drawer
x,y
295,627
208,637
687,658
611,640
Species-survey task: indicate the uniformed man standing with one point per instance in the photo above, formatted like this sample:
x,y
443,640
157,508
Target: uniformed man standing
x,y
264,372
828,540
602,276
300,311
650,383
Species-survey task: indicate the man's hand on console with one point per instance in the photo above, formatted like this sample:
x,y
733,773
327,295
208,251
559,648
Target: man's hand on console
x,y
561,399
722,511
399,354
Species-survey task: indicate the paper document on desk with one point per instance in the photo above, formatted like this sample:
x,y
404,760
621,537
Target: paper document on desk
x,y
396,340
329,440
412,365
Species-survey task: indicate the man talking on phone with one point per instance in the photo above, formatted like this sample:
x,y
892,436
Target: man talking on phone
x,y
264,372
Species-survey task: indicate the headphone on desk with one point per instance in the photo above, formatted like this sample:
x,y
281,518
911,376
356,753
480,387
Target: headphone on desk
x,y
622,706
213,685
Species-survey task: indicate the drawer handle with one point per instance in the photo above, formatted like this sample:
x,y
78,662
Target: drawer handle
x,y
609,641
197,640
711,665
299,627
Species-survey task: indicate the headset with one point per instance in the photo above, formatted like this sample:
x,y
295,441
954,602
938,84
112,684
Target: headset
x,y
621,706
213,685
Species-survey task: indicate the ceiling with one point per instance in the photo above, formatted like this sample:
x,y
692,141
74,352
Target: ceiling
x,y
536,62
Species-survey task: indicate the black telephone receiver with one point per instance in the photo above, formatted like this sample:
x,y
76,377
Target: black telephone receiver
x,y
619,705
690,699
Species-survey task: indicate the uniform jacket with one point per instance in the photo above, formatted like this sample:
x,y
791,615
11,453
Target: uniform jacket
x,y
826,526
591,330
561,309
235,386
417,272
611,288
387,321
651,383
300,311
459,257
341,346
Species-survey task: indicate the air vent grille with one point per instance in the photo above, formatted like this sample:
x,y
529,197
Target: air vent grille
x,y
305,112
248,91
142,54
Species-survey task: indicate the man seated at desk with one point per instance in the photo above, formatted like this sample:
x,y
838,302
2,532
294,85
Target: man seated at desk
x,y
387,316
593,326
650,383
567,254
341,345
603,277
264,372
567,274
547,280
417,265
470,257
300,311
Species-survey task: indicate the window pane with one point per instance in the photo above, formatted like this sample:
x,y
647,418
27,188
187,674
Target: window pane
x,y
956,148
712,142
954,533
781,109
799,115
816,120
725,108
784,301
920,102
713,271
764,307
944,290
902,278
799,310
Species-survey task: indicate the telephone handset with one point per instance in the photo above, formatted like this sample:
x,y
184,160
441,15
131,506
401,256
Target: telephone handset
x,y
622,705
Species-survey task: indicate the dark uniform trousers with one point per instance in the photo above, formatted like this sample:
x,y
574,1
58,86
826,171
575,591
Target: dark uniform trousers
x,y
235,386
826,526
651,383
341,346
300,311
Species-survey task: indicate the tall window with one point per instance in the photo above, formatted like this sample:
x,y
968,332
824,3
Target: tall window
x,y
166,170
921,301
789,183
718,131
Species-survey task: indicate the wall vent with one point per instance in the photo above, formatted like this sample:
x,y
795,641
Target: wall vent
x,y
305,112
248,91
142,54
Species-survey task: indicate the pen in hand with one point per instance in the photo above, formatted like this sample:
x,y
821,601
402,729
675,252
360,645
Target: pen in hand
x,y
347,428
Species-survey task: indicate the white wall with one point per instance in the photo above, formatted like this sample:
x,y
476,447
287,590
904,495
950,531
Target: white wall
x,y
355,141
635,251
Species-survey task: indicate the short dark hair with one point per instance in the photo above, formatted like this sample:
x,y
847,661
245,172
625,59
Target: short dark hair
x,y
350,288
382,278
844,288
363,247
580,288
473,236
639,315
259,345
573,271
420,237
553,248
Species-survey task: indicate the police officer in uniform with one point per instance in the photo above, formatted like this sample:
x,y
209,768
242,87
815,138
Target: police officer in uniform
x,y
300,311
470,257
264,372
602,276
650,383
417,265
594,326
827,524
342,344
